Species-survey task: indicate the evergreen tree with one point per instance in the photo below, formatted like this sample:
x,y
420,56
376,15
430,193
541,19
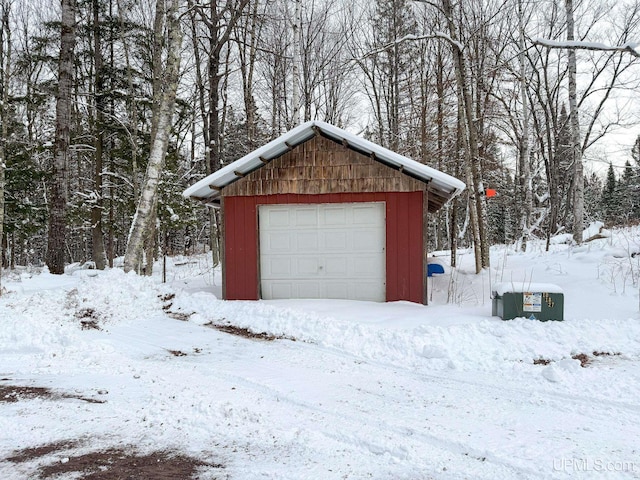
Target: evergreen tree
x,y
593,189
624,196
560,177
609,197
633,189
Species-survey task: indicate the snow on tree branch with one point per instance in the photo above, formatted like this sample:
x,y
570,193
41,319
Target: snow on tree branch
x,y
630,47
413,38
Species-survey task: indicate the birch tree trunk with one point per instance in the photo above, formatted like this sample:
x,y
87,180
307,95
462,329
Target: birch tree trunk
x,y
578,193
58,193
5,75
164,98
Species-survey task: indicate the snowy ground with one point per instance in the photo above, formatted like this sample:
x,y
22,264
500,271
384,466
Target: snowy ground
x,y
346,390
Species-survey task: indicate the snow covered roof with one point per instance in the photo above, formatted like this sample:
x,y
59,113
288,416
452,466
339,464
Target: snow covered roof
x,y
209,189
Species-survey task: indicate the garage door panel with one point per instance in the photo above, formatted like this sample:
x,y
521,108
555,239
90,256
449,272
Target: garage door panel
x,y
279,218
364,267
308,289
364,290
306,241
367,240
307,266
277,242
336,267
306,217
280,267
335,240
278,290
333,216
338,290
323,251
368,214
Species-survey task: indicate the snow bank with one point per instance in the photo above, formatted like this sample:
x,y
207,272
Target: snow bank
x,y
40,319
422,342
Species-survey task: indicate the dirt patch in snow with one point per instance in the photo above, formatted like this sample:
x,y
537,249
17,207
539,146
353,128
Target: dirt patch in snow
x,y
177,353
541,361
606,354
115,463
167,300
88,319
27,454
15,393
585,360
246,333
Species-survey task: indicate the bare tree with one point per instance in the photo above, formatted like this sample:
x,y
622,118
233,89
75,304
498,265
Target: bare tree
x,y
247,37
606,74
325,69
164,98
387,62
295,83
474,177
219,19
524,148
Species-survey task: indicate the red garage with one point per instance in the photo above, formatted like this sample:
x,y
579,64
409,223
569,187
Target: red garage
x,y
322,213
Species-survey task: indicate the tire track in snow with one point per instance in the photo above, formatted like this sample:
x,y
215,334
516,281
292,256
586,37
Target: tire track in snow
x,y
404,443
366,422
459,387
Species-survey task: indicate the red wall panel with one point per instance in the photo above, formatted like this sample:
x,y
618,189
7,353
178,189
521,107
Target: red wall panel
x,y
405,277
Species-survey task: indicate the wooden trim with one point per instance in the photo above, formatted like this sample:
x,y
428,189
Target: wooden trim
x,y
425,245
258,270
222,247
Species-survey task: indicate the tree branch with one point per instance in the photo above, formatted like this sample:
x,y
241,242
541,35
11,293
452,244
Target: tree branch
x,y
630,47
413,38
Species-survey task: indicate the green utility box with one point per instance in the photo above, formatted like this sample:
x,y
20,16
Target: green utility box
x,y
535,301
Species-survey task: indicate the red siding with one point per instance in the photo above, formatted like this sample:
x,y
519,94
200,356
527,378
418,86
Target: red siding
x,y
404,240
241,253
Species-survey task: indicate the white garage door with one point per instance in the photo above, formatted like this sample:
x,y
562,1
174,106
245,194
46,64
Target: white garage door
x,y
334,250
